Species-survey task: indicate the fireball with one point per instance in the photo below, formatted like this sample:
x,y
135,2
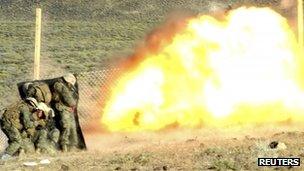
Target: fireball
x,y
244,69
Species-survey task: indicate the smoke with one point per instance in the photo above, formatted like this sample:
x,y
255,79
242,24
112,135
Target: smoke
x,y
158,37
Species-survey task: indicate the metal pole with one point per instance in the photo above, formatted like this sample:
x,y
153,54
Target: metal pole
x,y
37,44
300,23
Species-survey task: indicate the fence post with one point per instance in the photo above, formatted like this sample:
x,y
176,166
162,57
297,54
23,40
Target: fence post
x,y
37,44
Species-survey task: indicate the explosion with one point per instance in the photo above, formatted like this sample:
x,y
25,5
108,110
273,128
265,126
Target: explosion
x,y
244,69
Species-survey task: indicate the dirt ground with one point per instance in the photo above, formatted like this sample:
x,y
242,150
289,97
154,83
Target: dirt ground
x,y
234,148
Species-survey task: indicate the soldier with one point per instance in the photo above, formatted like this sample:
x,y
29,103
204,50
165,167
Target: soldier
x,y
38,90
65,98
15,124
26,118
47,135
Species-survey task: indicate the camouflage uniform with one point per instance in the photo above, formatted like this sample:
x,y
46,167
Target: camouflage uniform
x,y
14,124
38,90
46,135
42,131
64,96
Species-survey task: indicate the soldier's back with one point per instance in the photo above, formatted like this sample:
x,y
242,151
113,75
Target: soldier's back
x,y
11,116
62,93
40,91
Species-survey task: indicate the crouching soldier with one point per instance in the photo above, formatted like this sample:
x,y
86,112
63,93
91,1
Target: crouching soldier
x,y
14,125
65,98
47,135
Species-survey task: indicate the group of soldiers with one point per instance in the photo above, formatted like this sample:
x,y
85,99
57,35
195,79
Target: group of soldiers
x,y
44,121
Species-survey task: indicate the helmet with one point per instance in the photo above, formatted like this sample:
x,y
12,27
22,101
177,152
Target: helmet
x,y
26,86
32,101
70,78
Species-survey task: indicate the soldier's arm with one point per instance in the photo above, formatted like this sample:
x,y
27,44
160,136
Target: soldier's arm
x,y
66,95
31,92
58,86
26,117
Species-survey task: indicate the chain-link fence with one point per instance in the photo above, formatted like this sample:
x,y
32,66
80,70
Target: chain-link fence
x,y
94,89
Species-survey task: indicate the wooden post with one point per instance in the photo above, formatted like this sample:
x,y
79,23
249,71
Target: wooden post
x,y
300,23
37,44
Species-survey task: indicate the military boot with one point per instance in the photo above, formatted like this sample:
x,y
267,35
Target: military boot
x,y
38,150
64,148
21,152
74,149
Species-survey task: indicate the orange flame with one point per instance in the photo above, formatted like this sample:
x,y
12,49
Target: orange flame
x,y
245,69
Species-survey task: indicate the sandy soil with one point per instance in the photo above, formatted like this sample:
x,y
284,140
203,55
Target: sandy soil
x,y
200,149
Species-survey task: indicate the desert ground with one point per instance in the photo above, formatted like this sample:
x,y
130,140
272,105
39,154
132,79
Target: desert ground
x,y
234,148
81,36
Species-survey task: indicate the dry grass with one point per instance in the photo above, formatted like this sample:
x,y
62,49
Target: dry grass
x,y
203,149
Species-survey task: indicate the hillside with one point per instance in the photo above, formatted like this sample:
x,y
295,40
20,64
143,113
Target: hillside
x,y
79,35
